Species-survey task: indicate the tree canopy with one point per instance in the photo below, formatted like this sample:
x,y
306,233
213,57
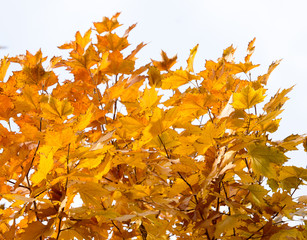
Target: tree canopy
x,y
149,152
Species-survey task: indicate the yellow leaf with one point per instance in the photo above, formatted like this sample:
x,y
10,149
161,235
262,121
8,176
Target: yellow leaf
x,y
56,109
186,147
60,139
166,139
149,98
194,105
291,142
84,120
90,162
154,77
101,142
263,157
140,191
242,67
104,168
176,79
293,171
17,197
69,234
131,124
45,163
91,193
180,185
247,98
257,193
264,78
125,217
228,223
83,41
209,133
190,60
277,101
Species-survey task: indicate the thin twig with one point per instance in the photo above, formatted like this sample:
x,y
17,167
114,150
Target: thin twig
x,y
28,171
59,228
19,185
164,147
115,104
67,168
207,234
117,228
209,113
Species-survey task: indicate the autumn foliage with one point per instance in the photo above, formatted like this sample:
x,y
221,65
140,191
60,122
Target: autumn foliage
x,y
121,152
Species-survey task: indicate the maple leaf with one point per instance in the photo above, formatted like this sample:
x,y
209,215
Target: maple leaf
x,y
154,77
45,163
257,194
116,64
6,106
228,53
54,109
107,25
33,72
149,98
176,79
166,62
111,42
263,158
264,78
35,230
243,67
247,98
277,101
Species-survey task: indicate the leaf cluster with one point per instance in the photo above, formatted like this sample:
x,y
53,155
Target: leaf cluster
x,y
104,156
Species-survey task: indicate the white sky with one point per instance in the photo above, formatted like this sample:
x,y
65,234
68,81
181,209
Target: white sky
x,y
176,26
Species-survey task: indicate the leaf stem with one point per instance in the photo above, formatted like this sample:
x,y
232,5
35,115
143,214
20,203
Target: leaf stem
x,y
209,113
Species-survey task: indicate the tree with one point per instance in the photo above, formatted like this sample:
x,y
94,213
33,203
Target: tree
x,y
198,165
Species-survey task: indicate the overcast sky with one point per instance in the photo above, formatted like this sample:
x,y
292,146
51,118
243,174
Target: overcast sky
x,y
280,28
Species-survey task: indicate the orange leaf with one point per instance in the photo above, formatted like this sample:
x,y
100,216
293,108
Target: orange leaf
x,y
107,25
166,62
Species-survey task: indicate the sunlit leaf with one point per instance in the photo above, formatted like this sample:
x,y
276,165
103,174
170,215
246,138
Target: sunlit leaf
x,y
55,109
190,60
45,163
263,157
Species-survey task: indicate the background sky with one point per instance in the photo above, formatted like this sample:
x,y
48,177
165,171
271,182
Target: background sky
x,y
176,26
